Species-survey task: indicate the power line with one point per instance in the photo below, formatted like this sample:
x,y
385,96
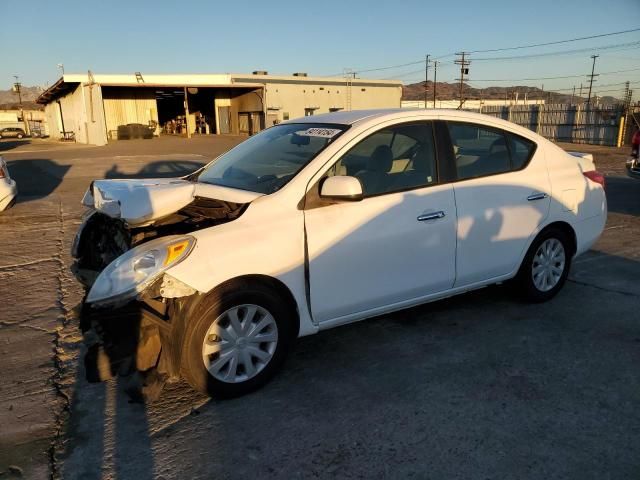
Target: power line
x,y
390,67
562,52
550,78
556,42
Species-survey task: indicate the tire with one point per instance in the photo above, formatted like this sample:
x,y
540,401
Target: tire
x,y
547,281
19,136
216,308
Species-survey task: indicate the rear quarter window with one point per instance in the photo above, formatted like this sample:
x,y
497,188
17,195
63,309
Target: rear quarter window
x,y
521,151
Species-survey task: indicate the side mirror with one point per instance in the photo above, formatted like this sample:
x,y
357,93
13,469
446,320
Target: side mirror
x,y
343,188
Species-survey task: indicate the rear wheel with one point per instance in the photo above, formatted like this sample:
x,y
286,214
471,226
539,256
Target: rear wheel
x,y
545,267
236,340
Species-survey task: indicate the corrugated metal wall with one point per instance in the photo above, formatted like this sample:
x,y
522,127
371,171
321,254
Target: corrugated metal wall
x,y
128,105
596,125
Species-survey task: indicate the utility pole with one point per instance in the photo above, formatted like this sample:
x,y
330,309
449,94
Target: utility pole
x,y
426,78
591,77
580,92
435,78
573,95
464,70
17,88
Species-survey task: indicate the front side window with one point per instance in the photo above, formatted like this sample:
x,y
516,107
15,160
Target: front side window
x,y
480,151
267,161
393,159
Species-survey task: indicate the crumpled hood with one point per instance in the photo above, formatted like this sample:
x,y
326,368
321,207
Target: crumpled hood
x,y
140,202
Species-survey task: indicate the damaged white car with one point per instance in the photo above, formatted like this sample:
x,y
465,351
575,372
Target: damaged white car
x,y
320,222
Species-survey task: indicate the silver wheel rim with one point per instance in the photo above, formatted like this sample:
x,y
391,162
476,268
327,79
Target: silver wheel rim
x,y
548,264
240,343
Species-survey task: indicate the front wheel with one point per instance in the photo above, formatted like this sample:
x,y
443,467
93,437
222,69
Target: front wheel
x,y
545,267
236,340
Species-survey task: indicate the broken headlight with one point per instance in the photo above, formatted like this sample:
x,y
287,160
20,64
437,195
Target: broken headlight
x,y
133,271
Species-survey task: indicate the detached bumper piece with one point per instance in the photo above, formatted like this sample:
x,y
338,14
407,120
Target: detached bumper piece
x,y
132,342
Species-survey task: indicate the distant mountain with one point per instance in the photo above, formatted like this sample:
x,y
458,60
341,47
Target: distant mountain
x,y
450,91
9,99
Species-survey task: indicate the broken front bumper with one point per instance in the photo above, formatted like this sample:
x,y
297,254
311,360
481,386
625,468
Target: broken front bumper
x,y
134,342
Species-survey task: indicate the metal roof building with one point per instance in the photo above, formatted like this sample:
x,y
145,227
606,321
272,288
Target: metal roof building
x,y
96,108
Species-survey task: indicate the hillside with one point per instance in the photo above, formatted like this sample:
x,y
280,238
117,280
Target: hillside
x,y
9,99
450,91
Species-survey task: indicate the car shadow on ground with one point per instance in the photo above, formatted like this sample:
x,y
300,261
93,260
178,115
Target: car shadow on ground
x,y
11,144
36,178
405,392
159,169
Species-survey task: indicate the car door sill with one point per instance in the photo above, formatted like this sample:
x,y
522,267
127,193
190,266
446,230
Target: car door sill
x,y
375,312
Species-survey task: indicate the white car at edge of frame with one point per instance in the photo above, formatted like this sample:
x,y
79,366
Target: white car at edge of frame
x,y
330,219
8,187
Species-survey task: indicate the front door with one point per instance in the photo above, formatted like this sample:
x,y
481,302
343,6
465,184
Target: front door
x,y
397,244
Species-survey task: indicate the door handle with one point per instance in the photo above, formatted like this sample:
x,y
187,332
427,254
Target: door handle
x,y
431,216
537,196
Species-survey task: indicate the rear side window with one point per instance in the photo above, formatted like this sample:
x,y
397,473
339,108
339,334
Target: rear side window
x,y
521,151
480,151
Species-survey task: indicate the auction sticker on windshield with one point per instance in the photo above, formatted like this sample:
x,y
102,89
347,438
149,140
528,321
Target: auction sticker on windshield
x,y
319,132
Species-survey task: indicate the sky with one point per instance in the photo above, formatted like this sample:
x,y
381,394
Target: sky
x,y
322,38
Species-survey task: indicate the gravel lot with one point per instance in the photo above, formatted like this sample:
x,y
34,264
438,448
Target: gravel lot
x,y
478,386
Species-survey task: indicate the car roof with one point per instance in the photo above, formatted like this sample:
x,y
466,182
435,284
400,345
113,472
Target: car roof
x,y
364,116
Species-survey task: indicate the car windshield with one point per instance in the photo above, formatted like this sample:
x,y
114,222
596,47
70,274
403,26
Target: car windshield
x,y
267,161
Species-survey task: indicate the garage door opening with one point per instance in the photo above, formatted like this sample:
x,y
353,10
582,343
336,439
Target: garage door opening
x,y
183,111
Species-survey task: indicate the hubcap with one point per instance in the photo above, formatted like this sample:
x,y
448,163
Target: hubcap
x,y
548,264
240,343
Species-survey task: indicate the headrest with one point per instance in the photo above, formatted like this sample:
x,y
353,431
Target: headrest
x,y
382,159
498,145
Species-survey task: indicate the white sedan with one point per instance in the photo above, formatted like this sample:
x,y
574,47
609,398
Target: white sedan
x,y
8,187
328,220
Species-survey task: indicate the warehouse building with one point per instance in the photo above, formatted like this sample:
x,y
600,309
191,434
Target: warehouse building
x,y
94,109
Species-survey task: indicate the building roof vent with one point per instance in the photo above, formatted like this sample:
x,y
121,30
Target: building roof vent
x,y
300,74
260,72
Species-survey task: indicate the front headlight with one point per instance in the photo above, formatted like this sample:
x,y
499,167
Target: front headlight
x,y
133,271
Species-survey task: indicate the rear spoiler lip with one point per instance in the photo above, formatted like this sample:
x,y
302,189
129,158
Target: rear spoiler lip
x,y
587,156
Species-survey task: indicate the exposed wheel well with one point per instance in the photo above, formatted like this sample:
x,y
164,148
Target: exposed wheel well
x,y
268,282
567,230
177,337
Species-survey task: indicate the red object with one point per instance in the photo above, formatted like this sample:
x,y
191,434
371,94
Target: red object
x,y
635,141
596,177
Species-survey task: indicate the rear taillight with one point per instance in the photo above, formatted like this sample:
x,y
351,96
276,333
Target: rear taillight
x,y
596,177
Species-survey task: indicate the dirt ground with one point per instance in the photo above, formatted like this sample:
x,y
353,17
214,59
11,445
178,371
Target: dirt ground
x,y
477,386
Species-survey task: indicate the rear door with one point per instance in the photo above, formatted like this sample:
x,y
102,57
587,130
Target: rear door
x,y
502,192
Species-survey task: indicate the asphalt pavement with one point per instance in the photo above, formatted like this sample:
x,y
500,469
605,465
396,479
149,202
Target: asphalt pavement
x,y
476,386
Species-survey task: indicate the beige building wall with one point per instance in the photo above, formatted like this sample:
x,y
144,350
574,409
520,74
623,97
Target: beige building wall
x,y
290,100
98,104
128,105
82,113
